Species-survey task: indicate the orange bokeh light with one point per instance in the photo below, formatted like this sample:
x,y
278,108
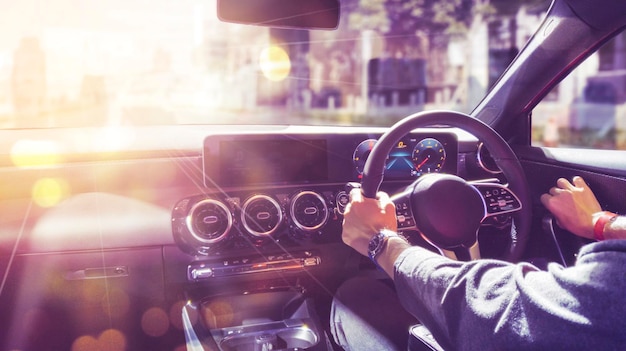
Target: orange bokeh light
x,y
275,63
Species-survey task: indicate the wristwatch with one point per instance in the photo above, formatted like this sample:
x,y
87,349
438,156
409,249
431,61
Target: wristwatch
x,y
378,242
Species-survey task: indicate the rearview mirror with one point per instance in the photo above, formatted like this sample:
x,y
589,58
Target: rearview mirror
x,y
304,14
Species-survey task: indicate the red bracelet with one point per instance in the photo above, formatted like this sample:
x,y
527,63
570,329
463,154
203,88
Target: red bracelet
x,y
598,228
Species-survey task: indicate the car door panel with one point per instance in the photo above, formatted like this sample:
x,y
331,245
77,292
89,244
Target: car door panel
x,y
603,170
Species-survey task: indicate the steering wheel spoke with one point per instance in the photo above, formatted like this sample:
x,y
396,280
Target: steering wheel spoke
x,y
471,253
404,213
498,199
474,251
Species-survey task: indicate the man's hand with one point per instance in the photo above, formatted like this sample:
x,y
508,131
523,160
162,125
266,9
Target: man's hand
x,y
364,217
574,206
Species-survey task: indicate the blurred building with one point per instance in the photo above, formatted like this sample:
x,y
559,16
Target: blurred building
x,y
28,82
609,84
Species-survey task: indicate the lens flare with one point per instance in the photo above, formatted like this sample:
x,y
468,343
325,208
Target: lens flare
x,y
85,343
176,314
275,63
155,322
218,314
34,153
110,340
48,192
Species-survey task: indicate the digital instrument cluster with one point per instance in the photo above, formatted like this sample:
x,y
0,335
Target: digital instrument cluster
x,y
413,156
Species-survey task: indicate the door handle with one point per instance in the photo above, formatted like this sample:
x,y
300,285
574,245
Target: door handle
x,y
97,273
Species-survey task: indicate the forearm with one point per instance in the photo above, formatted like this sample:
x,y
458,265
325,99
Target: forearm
x,y
449,297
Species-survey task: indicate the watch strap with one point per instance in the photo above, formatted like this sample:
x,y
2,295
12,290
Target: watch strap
x,y
377,244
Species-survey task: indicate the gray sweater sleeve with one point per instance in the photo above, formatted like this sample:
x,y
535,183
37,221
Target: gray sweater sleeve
x,y
495,305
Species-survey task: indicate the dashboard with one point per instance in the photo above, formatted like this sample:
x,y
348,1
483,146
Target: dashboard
x,y
227,196
274,202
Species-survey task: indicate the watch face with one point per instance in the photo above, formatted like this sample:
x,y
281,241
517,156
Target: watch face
x,y
374,245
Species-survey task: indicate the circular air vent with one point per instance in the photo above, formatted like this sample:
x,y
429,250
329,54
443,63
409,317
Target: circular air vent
x,y
342,199
485,161
261,215
209,221
309,211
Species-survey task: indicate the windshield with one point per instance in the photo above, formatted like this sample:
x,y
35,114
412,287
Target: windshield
x,y
74,63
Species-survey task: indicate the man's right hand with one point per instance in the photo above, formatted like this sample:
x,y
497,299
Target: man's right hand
x,y
364,217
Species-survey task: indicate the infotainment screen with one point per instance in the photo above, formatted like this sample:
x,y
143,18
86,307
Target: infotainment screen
x,y
272,161
249,159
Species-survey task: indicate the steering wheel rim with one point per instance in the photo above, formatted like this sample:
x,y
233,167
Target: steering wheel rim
x,y
500,150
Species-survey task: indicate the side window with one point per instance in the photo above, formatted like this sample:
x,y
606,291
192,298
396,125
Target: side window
x,y
588,108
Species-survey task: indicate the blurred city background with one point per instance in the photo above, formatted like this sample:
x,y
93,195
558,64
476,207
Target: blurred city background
x,y
72,63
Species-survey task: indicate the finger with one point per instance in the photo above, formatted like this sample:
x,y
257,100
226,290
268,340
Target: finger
x,y
356,195
392,220
346,210
390,208
382,196
550,204
545,200
555,191
580,182
564,184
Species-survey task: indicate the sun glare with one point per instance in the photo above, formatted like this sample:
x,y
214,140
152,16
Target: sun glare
x,y
47,192
33,153
275,63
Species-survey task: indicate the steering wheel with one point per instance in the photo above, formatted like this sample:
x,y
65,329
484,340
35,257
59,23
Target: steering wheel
x,y
446,209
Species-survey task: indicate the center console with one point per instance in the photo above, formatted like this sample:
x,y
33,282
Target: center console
x,y
263,321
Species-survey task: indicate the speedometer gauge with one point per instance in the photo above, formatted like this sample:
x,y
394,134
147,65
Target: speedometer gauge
x,y
361,153
429,156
